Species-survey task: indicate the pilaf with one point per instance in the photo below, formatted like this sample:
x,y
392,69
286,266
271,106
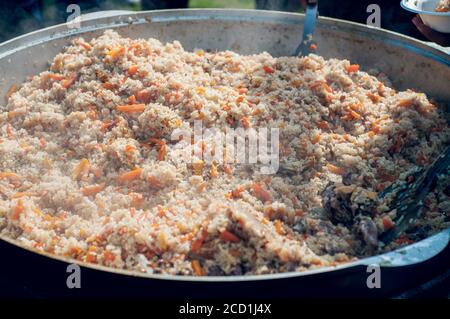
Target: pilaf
x,y
89,170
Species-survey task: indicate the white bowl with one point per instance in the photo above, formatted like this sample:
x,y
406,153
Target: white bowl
x,y
439,21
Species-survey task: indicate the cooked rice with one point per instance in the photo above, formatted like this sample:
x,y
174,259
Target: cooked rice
x,y
82,179
443,6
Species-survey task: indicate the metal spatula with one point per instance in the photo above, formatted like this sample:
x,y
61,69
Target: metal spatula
x,y
306,45
407,198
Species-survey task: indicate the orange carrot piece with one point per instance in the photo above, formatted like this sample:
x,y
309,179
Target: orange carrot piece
x,y
56,77
130,176
132,70
66,83
268,69
130,108
229,236
92,190
109,256
18,210
240,99
316,139
327,88
278,227
132,99
245,122
91,258
388,223
405,103
85,45
334,169
237,192
143,96
376,128
197,268
108,85
323,125
260,193
162,152
355,115
107,125
352,68
214,171
81,168
375,98
11,90
10,176
129,148
22,194
115,53
197,244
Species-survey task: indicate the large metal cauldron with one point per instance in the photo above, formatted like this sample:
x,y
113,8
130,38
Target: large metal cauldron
x,y
409,64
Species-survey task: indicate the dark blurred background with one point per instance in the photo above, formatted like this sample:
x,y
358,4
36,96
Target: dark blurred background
x,y
22,16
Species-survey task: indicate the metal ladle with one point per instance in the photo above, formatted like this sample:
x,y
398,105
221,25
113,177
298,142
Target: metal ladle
x,y
307,44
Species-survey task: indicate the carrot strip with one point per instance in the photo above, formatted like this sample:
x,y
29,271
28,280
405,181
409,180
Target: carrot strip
x,y
10,176
405,103
18,210
162,152
132,99
22,194
197,244
334,169
229,236
66,83
355,115
131,108
197,268
108,85
130,176
56,77
80,169
327,88
107,125
92,190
